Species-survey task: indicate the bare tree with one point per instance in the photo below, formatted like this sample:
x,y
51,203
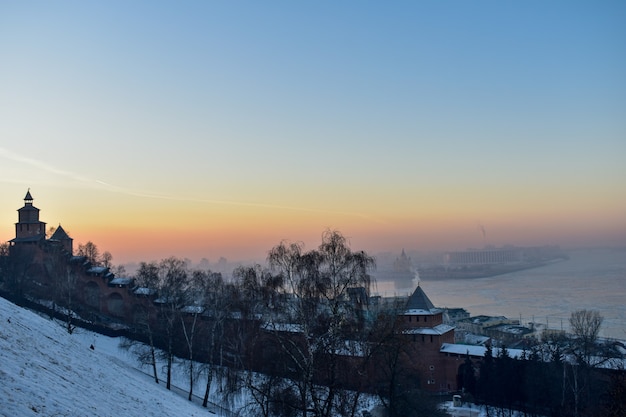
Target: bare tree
x,y
90,251
216,298
585,325
106,259
68,288
171,286
320,310
147,277
189,331
4,262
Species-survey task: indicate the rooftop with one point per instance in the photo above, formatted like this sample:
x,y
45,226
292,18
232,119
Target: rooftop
x,y
437,330
419,304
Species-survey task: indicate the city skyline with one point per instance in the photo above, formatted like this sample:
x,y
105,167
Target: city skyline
x,y
214,129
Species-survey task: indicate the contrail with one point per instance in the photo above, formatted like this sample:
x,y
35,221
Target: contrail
x,y
41,165
123,190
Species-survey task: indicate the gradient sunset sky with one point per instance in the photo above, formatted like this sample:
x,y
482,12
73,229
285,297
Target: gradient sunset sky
x,y
207,129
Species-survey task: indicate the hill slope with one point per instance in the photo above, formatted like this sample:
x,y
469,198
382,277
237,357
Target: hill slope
x,y
44,371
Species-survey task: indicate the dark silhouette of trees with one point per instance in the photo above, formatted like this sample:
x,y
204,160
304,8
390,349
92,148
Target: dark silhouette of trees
x,y
90,251
106,260
585,325
468,377
615,397
560,376
588,354
4,260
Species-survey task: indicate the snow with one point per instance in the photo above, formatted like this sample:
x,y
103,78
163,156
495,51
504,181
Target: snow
x,y
47,372
144,291
421,312
121,281
478,351
437,330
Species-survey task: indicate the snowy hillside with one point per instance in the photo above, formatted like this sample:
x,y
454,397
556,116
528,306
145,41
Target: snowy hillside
x,y
44,371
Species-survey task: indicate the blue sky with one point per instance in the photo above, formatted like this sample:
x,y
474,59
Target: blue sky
x,y
403,124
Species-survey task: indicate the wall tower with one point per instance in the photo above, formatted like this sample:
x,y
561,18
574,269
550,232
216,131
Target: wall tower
x,y
29,228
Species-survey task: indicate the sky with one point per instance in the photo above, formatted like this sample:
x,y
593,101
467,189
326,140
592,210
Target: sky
x,y
207,129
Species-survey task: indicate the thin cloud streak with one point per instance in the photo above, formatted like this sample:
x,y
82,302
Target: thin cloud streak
x,y
41,165
126,191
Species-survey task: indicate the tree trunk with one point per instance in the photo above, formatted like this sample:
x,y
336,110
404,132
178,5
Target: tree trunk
x,y
153,357
190,377
209,378
168,385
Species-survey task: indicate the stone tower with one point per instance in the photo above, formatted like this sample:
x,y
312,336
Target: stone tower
x,y
29,228
63,239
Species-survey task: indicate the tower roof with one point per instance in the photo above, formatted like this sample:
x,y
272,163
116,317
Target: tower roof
x,y
28,196
59,234
419,301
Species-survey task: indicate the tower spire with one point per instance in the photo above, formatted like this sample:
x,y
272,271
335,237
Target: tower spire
x,y
28,199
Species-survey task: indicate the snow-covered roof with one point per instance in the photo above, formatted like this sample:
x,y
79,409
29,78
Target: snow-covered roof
x,y
476,339
283,327
421,312
97,269
144,291
192,309
165,299
479,351
121,281
437,330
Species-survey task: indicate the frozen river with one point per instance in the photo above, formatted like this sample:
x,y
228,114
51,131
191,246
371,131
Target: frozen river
x,y
591,279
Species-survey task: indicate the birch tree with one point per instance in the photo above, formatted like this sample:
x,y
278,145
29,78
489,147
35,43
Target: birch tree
x,y
319,281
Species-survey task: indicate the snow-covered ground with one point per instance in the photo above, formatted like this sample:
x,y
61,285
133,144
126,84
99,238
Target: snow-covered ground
x,y
44,371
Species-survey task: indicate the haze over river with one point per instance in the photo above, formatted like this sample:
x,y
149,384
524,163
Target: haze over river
x,y
592,279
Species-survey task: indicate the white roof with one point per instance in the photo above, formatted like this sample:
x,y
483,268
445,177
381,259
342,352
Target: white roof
x,y
121,281
437,330
473,350
192,309
421,312
144,291
283,327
